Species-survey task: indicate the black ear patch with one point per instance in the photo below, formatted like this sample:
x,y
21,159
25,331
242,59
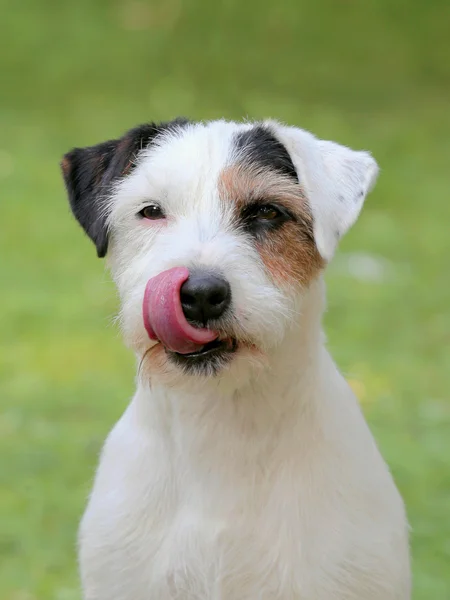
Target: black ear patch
x,y
260,147
84,171
90,172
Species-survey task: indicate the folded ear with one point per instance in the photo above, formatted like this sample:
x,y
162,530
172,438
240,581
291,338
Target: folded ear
x,y
336,180
89,174
85,175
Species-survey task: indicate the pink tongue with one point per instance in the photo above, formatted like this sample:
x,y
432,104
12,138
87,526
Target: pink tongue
x,y
163,315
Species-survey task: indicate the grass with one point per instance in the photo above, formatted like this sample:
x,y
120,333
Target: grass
x,y
372,74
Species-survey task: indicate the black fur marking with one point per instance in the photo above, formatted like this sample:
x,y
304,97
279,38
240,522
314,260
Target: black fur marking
x,y
208,362
90,172
259,145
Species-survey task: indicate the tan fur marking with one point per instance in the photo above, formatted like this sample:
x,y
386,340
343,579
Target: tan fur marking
x,y
289,253
66,166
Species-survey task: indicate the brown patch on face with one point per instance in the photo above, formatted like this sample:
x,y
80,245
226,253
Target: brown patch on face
x,y
289,251
153,363
290,256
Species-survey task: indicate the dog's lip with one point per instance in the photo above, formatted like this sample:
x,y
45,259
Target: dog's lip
x,y
217,346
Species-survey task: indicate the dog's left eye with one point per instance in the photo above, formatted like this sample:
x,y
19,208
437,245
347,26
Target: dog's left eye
x,y
259,218
152,212
266,212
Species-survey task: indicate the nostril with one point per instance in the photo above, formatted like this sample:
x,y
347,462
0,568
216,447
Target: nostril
x,y
217,297
187,297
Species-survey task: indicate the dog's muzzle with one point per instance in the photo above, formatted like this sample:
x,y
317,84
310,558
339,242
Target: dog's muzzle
x,y
175,297
164,317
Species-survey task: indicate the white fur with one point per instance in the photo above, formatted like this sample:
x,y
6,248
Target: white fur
x,y
263,482
336,180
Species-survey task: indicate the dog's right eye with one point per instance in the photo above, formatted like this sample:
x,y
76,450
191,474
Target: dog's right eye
x,y
152,212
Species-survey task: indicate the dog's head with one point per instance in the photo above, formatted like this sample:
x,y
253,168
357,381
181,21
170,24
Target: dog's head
x,y
214,232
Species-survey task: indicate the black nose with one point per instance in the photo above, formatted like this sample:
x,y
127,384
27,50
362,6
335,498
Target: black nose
x,y
204,297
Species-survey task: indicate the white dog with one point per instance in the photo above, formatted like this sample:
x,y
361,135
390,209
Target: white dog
x,y
243,468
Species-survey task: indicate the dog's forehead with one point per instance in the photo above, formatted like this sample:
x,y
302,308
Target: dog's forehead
x,y
192,154
192,158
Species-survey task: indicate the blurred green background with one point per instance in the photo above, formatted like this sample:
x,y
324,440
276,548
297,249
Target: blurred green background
x,y
370,74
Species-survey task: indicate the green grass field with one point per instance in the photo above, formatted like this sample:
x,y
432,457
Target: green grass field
x,y
372,74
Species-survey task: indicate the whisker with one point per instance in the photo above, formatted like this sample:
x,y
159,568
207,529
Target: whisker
x,y
144,356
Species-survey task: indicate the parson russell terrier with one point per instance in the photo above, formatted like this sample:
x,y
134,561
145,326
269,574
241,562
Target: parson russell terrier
x,y
243,467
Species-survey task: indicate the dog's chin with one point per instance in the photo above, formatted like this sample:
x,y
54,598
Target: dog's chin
x,y
209,360
229,361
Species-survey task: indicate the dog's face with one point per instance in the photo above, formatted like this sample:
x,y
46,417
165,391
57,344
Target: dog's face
x,y
214,233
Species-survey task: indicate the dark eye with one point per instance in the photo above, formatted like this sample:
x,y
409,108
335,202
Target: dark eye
x,y
266,212
259,219
152,212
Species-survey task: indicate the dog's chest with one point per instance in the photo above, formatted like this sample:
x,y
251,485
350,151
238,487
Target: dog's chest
x,y
200,555
233,544
205,556
235,524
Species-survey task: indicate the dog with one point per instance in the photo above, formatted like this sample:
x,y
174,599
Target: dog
x,y
243,467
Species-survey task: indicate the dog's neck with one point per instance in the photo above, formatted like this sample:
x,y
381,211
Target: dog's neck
x,y
277,390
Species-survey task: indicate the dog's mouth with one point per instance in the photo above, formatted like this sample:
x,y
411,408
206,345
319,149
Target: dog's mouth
x,y
190,345
212,348
210,358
